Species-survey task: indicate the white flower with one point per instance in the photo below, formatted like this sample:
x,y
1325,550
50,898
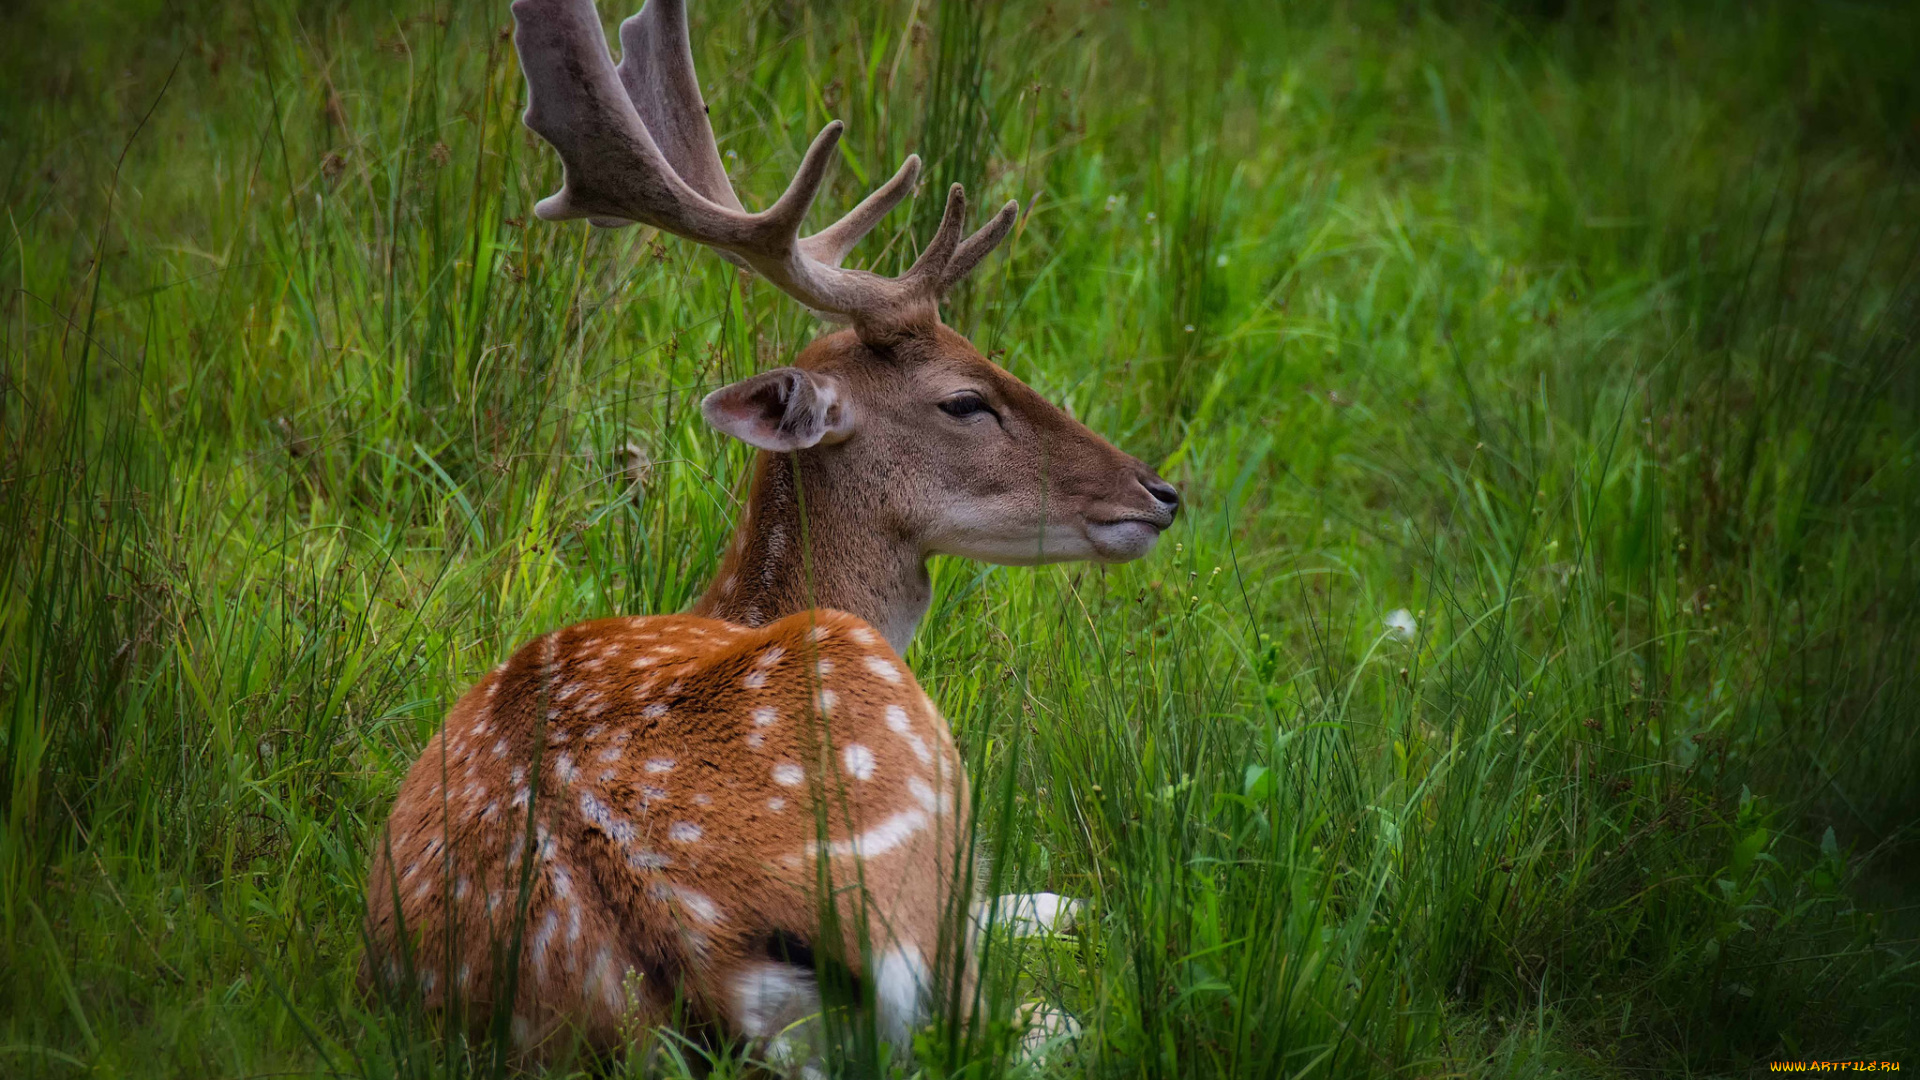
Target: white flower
x,y
1400,624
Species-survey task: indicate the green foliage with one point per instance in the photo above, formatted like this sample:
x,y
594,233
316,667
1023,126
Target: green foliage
x,y
1584,333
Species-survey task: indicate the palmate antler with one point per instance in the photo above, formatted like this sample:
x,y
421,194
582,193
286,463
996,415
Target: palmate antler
x,y
637,147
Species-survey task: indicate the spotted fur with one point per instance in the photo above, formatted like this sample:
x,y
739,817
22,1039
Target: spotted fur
x,y
676,825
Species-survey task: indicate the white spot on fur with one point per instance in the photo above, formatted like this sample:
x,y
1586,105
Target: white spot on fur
x,y
863,635
754,680
821,633
701,799
500,748
542,938
919,746
765,717
654,711
651,792
684,832
776,804
897,721
604,977
698,904
883,668
788,775
922,793
859,761
563,768
648,860
602,817
611,754
880,839
770,657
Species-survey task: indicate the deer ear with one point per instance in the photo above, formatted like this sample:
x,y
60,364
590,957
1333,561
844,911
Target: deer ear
x,y
781,410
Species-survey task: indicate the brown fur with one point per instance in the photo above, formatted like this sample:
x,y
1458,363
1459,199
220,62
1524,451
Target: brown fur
x,y
879,503
673,823
673,829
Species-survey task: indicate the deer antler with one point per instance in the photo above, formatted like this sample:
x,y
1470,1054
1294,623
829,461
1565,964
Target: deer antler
x,y
637,146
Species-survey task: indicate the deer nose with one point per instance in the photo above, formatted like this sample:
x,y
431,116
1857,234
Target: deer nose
x,y
1163,493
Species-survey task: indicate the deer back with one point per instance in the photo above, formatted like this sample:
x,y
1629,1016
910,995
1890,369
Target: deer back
x,y
637,807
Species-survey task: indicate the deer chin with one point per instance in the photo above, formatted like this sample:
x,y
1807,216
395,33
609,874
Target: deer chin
x,y
1122,541
985,539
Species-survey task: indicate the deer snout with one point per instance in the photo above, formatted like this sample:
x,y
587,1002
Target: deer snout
x,y
1164,495
1148,505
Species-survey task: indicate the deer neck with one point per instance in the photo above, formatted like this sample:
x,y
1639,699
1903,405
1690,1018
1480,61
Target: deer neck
x,y
806,541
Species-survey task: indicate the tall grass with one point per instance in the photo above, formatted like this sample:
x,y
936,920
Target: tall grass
x,y
1585,335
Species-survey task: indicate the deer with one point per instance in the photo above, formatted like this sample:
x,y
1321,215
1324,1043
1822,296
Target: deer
x,y
642,814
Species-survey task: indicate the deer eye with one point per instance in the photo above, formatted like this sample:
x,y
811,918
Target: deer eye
x,y
961,406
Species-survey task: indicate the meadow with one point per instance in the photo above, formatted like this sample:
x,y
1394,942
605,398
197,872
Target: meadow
x,y
1530,687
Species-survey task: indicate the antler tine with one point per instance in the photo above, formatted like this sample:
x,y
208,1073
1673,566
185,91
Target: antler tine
x,y
979,245
637,146
781,231
831,244
927,270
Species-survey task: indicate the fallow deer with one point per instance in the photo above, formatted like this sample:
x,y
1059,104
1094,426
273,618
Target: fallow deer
x,y
636,811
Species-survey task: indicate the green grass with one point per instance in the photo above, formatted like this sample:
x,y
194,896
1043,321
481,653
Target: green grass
x,y
1590,336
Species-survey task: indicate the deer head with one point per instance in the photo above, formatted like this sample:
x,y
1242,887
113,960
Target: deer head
x,y
896,436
